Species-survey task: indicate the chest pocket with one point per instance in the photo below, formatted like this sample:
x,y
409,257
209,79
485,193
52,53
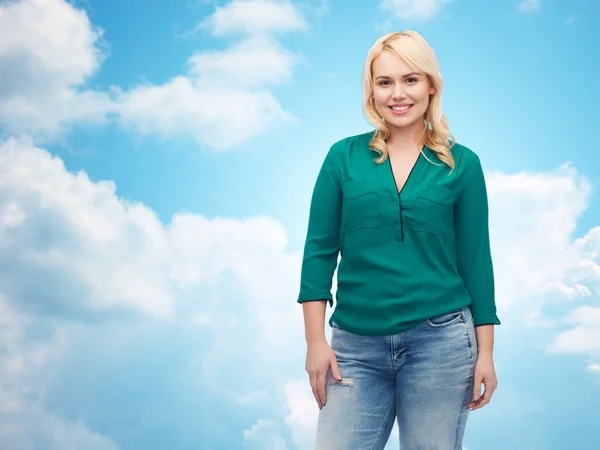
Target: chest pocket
x,y
434,212
360,206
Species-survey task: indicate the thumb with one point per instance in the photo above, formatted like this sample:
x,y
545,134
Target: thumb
x,y
477,388
335,370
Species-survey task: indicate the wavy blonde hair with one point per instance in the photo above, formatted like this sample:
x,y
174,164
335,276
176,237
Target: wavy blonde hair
x,y
418,54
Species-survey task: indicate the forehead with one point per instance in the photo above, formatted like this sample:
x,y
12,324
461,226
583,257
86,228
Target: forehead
x,y
390,64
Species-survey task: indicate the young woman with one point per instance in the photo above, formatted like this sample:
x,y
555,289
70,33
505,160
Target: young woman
x,y
405,206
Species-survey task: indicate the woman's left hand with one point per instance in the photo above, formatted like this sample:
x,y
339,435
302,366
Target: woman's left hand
x,y
485,373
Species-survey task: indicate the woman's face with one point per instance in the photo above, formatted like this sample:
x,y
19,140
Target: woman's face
x,y
401,95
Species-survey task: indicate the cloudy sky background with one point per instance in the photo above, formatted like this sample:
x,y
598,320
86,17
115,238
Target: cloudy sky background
x,y
156,166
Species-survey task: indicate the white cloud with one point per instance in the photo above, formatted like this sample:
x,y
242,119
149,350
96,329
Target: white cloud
x,y
264,434
532,221
421,10
25,362
90,249
585,337
48,50
303,413
594,368
527,6
224,99
539,265
108,253
33,428
252,17
92,255
251,63
213,115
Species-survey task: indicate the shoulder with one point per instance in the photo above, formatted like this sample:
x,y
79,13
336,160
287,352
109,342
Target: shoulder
x,y
464,157
351,143
341,150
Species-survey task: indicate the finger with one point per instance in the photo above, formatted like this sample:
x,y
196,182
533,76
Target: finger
x,y
487,394
489,388
474,404
335,369
315,391
477,403
480,404
483,400
317,399
321,387
477,388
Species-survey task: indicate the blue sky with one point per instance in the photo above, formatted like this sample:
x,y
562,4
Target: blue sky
x,y
156,166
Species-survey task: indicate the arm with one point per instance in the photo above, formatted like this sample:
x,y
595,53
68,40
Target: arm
x,y
318,265
314,321
485,341
473,253
485,372
322,238
475,266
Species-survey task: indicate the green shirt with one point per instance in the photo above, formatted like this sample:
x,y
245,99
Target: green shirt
x,y
403,257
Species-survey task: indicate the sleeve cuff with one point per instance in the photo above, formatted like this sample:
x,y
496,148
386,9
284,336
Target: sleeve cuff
x,y
312,296
487,321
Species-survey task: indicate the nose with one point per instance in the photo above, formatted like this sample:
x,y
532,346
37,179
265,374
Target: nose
x,y
398,91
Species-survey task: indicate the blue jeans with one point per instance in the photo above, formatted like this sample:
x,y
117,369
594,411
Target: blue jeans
x,y
423,377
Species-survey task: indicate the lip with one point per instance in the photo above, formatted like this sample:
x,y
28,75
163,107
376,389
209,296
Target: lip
x,y
400,113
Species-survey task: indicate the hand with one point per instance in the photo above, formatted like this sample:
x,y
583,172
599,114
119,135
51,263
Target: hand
x,y
319,358
484,373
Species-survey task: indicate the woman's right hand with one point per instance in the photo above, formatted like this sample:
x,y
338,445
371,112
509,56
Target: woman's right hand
x,y
320,357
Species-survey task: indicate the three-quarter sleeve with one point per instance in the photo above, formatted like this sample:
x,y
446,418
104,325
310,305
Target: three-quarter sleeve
x,y
474,259
321,247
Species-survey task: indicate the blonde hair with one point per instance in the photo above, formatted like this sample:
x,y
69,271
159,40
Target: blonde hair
x,y
418,54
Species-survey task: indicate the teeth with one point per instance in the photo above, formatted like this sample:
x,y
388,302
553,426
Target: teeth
x,y
400,108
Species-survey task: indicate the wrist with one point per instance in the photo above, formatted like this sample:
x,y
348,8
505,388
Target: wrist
x,y
316,340
485,354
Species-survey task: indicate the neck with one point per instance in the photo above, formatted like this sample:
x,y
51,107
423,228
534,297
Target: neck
x,y
406,139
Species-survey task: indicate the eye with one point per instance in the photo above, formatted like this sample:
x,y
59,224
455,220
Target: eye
x,y
381,83
412,79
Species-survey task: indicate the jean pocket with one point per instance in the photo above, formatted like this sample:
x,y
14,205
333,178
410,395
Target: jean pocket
x,y
446,320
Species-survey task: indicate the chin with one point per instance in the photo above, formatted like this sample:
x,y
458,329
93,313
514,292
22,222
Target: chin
x,y
400,122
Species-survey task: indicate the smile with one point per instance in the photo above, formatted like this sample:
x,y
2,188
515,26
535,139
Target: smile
x,y
400,109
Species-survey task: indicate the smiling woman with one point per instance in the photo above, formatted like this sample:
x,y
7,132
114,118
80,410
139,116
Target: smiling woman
x,y
403,88
412,330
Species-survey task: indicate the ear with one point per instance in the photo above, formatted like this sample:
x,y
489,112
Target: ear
x,y
432,90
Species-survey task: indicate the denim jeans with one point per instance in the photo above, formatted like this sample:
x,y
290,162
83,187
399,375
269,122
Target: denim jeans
x,y
422,377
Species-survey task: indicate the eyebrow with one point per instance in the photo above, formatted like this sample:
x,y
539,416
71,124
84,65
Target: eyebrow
x,y
403,76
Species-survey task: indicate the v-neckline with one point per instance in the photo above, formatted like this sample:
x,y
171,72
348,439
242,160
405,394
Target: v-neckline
x,y
408,178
